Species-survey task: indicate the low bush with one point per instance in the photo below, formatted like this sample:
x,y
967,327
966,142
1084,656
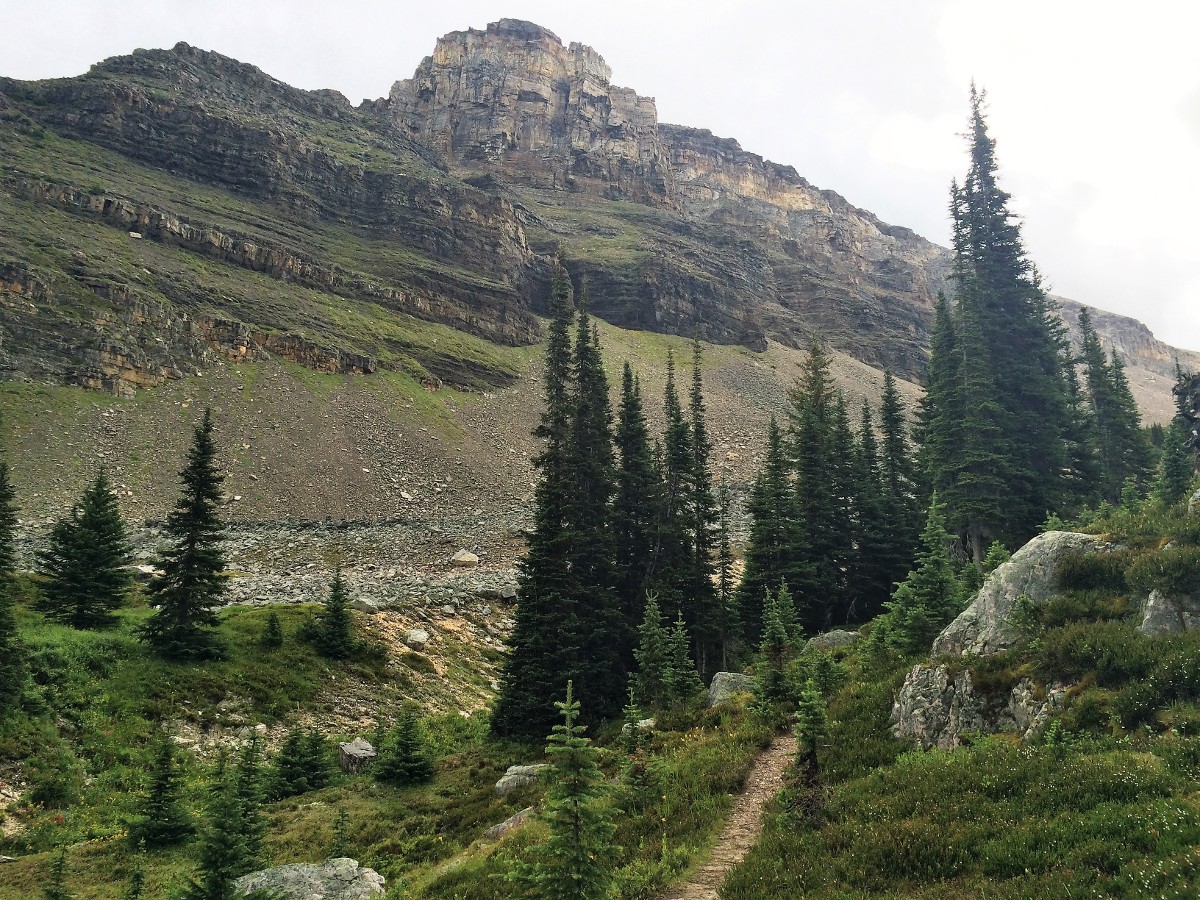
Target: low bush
x,y
1172,570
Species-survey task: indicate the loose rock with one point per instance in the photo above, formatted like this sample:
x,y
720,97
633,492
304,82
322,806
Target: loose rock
x,y
518,777
355,756
725,685
336,879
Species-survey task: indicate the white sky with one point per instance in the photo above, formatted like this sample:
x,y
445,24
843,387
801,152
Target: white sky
x,y
1095,107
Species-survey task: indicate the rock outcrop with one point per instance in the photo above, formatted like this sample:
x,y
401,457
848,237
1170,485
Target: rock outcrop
x,y
337,879
513,94
988,625
937,708
1169,615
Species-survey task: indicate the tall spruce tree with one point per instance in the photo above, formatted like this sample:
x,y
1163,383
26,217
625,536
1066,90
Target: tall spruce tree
x,y
223,855
871,578
403,759
604,635
12,667
898,470
635,505
728,612
84,561
653,655
1176,468
1122,450
1004,467
928,599
821,550
191,583
672,568
705,614
774,544
546,638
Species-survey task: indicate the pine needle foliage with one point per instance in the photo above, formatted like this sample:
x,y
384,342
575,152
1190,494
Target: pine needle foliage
x,y
331,634
83,564
191,584
162,819
574,863
403,758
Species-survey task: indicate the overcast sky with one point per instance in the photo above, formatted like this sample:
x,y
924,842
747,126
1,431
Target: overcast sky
x,y
1095,106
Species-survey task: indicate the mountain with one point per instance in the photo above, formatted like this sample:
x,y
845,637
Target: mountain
x,y
174,216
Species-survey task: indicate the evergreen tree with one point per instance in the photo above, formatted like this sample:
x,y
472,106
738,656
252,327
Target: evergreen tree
x,y
248,786
928,598
403,759
774,534
1177,467
772,679
272,636
84,563
728,613
545,639
847,529
331,634
604,635
574,863
682,680
291,775
137,884
636,503
653,655
191,582
315,759
898,471
806,800
705,612
997,555
161,819
674,549
870,580
12,667
1001,467
823,551
1121,448
223,853
56,887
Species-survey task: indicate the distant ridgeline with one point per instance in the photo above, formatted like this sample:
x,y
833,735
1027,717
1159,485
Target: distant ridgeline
x,y
174,207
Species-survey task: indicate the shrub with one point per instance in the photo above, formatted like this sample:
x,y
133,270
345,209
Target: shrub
x,y
1113,652
1093,571
1173,570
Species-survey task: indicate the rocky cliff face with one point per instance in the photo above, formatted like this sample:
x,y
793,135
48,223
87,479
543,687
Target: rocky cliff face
x,y
514,95
449,202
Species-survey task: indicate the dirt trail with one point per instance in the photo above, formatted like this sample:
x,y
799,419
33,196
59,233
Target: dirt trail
x,y
745,823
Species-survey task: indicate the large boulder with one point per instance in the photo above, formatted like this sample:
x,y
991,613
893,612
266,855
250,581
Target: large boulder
x,y
356,755
831,639
512,823
519,776
725,685
987,625
1194,504
336,879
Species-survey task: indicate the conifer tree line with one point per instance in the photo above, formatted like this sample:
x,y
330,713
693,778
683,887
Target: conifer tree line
x,y
835,513
619,516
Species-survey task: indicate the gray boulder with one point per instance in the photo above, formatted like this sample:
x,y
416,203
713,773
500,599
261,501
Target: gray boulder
x,y
987,626
935,708
1169,615
1194,504
336,879
725,685
519,776
831,639
416,639
513,822
355,756
465,558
